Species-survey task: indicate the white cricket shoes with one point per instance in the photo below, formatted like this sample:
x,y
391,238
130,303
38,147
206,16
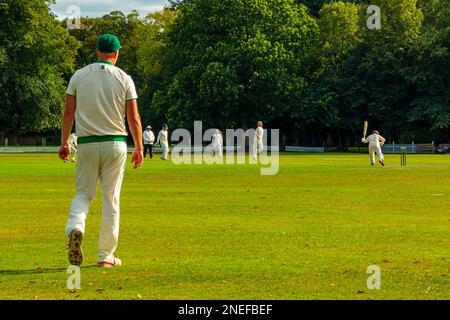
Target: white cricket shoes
x,y
106,264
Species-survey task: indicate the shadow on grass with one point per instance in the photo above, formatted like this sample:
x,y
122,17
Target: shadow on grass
x,y
41,270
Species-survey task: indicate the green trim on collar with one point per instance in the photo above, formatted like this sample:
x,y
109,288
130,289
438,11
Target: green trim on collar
x,y
104,61
92,139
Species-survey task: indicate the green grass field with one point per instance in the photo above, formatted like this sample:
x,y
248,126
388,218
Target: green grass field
x,y
226,232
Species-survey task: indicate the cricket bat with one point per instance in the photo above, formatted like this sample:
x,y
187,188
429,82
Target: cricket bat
x,y
366,125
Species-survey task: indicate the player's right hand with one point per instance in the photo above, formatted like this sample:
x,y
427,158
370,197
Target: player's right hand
x,y
64,152
137,158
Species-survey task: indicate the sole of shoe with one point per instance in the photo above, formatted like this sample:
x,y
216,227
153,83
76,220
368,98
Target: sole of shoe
x,y
105,265
75,249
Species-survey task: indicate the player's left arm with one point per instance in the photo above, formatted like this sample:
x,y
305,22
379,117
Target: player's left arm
x,y
66,128
382,140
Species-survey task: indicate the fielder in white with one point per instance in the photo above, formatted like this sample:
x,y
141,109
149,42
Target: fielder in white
x,y
258,146
375,142
73,146
163,141
99,97
217,142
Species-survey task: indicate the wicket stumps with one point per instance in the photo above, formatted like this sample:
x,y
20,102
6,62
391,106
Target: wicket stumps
x,y
403,156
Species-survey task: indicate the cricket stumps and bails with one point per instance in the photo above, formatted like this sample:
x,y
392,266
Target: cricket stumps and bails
x,y
403,156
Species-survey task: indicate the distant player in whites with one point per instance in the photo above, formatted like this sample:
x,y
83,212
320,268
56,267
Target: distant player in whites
x,y
375,142
73,147
149,139
217,143
163,141
258,140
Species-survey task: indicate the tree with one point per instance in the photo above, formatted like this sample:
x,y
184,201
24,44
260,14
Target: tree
x,y
430,72
153,59
380,65
236,61
316,5
340,34
35,53
117,23
371,82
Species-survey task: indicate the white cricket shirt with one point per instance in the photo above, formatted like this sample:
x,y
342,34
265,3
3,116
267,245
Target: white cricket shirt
x,y
148,137
217,139
374,140
162,138
260,132
101,90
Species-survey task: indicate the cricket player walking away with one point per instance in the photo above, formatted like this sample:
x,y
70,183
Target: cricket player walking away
x,y
258,140
99,97
73,146
375,142
149,139
163,141
217,142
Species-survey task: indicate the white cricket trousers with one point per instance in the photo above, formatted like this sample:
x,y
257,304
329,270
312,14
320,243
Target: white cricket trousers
x,y
257,147
165,151
105,161
377,150
217,149
74,152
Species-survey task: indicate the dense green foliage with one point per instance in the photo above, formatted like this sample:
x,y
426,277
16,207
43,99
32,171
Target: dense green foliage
x,y
341,74
311,68
235,62
35,53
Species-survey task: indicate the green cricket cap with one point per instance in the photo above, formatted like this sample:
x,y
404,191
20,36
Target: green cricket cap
x,y
108,43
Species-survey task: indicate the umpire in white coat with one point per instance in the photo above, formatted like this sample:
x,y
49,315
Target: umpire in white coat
x,y
149,139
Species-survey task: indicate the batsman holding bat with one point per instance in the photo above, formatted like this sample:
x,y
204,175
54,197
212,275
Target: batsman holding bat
x,y
375,142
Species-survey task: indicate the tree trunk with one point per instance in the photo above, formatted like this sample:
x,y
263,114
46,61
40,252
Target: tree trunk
x,y
340,146
12,139
329,142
